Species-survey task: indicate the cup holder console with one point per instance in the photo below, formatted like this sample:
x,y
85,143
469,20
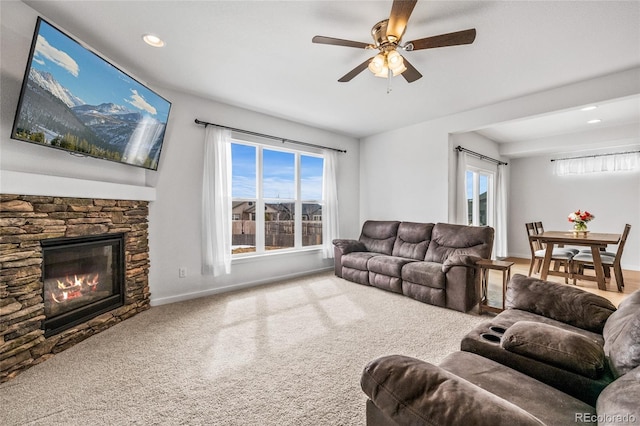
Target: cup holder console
x,y
497,329
490,337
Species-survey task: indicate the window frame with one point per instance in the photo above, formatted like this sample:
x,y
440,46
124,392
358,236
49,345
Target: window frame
x,y
261,202
491,194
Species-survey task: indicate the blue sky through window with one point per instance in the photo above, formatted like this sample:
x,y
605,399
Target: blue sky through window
x,y
278,177
243,171
469,181
311,177
278,174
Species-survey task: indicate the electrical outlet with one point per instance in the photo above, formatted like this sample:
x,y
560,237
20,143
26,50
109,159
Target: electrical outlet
x,y
182,272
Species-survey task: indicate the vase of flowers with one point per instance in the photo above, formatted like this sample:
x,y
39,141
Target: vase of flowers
x,y
580,220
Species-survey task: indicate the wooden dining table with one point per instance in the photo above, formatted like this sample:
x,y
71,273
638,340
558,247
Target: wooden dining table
x,y
591,239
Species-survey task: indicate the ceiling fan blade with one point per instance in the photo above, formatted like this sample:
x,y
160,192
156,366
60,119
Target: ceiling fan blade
x,y
411,74
442,40
400,12
357,70
339,42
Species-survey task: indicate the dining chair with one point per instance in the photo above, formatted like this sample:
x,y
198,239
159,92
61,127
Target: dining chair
x,y
560,256
540,229
586,259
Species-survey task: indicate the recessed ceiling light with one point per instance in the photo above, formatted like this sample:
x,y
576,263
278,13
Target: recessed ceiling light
x,y
589,108
597,120
153,40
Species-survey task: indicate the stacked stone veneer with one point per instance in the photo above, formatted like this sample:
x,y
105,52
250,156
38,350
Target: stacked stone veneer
x,y
24,222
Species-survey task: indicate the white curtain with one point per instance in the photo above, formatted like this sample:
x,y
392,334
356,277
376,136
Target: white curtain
x,y
601,163
501,212
330,208
462,206
216,202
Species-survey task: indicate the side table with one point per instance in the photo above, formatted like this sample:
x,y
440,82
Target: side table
x,y
484,266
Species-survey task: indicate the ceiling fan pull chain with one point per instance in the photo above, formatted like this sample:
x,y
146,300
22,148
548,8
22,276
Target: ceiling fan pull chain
x,y
389,81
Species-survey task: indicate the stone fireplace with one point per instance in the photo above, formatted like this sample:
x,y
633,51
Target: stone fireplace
x,y
69,268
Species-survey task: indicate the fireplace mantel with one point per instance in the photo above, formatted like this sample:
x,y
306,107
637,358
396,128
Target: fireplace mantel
x,y
56,186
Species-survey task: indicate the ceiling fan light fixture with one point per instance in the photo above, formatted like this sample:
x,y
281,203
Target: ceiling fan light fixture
x,y
377,64
395,62
399,70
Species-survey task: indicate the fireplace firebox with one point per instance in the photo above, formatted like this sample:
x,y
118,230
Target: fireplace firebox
x,y
83,278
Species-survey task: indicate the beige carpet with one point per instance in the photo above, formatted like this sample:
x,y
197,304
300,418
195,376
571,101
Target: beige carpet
x,y
289,353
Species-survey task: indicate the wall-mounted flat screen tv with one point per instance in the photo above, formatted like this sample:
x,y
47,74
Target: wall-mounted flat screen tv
x,y
73,99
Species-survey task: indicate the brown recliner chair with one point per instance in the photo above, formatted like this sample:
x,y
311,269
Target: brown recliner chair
x,y
471,389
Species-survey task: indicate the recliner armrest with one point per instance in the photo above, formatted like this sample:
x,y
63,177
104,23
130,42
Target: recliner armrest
x,y
468,260
348,246
411,391
560,302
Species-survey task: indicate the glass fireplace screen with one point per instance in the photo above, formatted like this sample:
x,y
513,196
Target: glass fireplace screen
x,y
83,277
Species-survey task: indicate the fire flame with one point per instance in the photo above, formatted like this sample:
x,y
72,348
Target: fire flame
x,y
73,288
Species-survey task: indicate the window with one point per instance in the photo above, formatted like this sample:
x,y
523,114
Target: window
x,y
276,198
480,193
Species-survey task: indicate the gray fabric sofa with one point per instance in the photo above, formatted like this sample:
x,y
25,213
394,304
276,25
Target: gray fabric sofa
x,y
565,327
432,263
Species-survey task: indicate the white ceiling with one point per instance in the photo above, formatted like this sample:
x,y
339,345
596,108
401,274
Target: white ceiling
x,y
258,54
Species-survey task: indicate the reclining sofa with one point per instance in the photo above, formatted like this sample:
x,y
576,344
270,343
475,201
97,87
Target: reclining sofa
x,y
556,356
432,263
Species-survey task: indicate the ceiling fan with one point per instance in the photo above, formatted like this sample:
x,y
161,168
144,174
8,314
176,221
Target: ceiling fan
x,y
387,36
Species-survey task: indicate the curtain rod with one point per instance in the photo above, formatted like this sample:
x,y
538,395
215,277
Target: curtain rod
x,y
283,140
593,156
482,157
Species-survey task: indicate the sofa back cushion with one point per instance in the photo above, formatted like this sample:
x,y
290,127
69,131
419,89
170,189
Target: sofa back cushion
x,y
412,240
378,236
622,336
568,304
448,239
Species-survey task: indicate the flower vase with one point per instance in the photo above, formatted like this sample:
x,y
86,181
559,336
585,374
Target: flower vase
x,y
580,229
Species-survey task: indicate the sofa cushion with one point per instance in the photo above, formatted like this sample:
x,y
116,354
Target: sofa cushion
x,y
555,346
388,265
348,246
448,239
563,303
409,391
584,388
618,403
412,240
425,273
622,336
358,260
379,236
550,405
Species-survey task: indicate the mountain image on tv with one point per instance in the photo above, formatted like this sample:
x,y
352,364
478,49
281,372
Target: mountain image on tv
x,y
72,99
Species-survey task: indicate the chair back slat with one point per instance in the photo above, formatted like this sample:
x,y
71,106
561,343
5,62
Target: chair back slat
x,y
623,240
531,231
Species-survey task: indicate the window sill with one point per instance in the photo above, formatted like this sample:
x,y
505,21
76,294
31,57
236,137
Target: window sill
x,y
246,258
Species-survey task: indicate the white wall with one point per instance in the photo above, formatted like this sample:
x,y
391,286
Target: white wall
x,y
405,173
174,230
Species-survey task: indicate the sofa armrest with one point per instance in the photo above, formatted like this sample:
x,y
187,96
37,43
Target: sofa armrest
x,y
410,391
560,302
468,260
348,246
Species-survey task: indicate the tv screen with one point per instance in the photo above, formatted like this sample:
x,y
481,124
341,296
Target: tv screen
x,y
74,100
